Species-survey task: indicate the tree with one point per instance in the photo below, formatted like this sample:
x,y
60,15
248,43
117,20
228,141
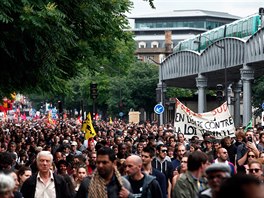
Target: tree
x,y
43,44
257,94
135,90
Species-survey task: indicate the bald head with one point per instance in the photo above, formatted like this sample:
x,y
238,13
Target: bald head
x,y
133,167
134,159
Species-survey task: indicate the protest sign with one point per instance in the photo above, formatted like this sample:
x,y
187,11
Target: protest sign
x,y
218,122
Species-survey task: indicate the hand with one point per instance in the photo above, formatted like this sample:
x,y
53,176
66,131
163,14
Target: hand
x,y
123,193
251,146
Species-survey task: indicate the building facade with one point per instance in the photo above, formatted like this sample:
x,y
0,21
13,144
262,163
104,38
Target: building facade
x,y
157,34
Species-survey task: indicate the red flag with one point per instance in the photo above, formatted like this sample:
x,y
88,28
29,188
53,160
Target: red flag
x,y
23,117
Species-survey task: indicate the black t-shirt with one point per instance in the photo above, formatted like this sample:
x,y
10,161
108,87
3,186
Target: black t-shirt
x,y
137,186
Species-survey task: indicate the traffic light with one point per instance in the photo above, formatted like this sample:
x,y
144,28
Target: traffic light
x,y
60,107
219,92
93,90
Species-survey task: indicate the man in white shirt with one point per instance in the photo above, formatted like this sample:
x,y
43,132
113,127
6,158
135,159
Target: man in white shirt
x,y
45,184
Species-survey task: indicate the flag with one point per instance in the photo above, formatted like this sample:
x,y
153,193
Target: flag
x,y
23,117
110,120
50,121
88,128
249,125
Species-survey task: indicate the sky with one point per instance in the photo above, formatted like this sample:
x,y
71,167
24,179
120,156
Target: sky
x,y
240,8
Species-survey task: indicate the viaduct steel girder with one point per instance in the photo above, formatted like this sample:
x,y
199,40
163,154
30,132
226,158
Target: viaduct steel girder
x,y
180,69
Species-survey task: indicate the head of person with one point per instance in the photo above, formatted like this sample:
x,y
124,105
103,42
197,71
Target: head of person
x,y
240,136
180,137
255,168
197,160
180,151
261,137
57,156
133,166
105,162
12,146
206,136
122,148
216,144
81,172
222,154
216,174
14,176
242,186
249,136
184,162
74,146
92,158
147,155
251,156
23,174
44,161
140,147
209,144
62,167
161,150
7,185
6,161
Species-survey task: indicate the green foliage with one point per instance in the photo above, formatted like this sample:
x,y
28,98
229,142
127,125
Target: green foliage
x,y
257,94
173,92
44,44
135,90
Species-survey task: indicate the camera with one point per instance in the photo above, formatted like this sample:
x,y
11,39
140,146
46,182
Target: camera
x,y
249,139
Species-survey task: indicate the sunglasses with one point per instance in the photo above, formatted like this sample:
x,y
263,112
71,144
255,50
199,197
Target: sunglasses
x,y
164,151
251,170
184,162
253,156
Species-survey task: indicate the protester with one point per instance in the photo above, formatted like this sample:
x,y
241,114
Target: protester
x,y
142,185
16,193
147,156
242,186
7,185
23,174
190,183
216,174
81,174
106,180
222,157
43,183
244,148
255,168
180,151
180,169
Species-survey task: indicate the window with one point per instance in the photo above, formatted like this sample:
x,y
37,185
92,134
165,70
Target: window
x,y
154,44
141,44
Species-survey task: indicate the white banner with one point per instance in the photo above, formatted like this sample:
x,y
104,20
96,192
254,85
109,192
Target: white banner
x,y
218,122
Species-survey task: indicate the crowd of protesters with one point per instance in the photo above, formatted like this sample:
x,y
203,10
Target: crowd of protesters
x,y
39,159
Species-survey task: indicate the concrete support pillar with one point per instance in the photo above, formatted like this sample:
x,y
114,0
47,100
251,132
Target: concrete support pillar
x,y
201,83
237,88
247,75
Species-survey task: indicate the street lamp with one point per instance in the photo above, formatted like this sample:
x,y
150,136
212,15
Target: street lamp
x,y
224,50
161,88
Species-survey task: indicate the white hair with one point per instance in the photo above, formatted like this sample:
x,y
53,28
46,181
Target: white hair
x,y
7,183
46,154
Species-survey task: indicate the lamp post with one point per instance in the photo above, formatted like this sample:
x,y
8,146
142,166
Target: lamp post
x,y
161,88
224,51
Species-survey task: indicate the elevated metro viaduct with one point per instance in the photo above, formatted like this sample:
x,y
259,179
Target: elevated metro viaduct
x,y
241,61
